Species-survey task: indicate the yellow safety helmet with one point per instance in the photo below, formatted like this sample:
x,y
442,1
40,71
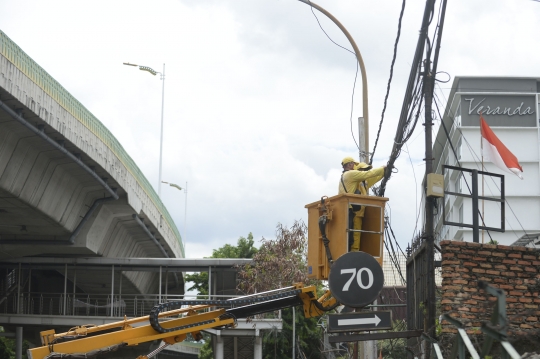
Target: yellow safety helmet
x,y
348,160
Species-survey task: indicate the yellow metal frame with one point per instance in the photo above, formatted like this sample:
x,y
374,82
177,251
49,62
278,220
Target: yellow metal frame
x,y
128,334
309,297
336,209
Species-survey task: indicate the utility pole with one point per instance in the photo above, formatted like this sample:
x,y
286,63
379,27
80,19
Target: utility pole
x,y
429,83
362,138
366,349
429,328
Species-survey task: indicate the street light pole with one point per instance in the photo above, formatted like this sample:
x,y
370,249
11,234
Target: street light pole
x,y
364,123
161,137
365,113
162,78
185,208
185,213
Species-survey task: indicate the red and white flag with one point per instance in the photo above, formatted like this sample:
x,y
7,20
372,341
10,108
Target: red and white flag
x,y
495,151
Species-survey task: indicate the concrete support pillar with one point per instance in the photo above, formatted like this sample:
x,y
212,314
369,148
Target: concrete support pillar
x,y
218,347
112,290
257,347
18,342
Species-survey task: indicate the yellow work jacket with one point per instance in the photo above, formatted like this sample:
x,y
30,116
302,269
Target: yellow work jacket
x,y
360,180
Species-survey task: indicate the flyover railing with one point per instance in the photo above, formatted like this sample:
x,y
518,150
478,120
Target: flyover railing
x,y
91,305
14,54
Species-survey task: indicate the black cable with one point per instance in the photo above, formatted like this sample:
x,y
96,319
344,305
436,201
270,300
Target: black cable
x,y
457,160
441,81
397,244
392,253
394,260
389,80
407,110
352,106
417,211
355,76
439,29
329,38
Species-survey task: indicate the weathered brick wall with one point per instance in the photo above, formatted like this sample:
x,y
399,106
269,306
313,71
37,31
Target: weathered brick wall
x,y
516,270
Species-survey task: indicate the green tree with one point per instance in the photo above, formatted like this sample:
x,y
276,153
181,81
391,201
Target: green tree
x,y
394,348
7,347
278,344
243,249
206,350
279,263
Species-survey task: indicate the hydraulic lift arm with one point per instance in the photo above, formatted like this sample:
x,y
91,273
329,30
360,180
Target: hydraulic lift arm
x,y
171,322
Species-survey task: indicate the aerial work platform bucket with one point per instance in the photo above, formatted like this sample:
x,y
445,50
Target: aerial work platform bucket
x,y
334,212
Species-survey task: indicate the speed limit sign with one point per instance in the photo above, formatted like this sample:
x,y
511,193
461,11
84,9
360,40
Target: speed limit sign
x,y
356,279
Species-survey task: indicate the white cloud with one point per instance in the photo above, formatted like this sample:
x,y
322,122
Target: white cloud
x,y
257,99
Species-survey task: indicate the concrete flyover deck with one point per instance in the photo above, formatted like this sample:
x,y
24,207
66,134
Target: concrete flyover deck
x,y
67,187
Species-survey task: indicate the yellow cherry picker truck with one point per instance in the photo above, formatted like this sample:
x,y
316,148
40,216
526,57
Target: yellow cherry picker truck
x,y
354,279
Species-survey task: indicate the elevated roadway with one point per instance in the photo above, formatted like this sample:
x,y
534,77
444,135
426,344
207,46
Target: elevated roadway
x,y
82,231
67,186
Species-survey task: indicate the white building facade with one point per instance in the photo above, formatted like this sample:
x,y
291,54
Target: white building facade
x,y
510,106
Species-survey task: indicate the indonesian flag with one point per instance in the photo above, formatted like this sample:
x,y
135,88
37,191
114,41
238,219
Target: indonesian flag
x,y
495,151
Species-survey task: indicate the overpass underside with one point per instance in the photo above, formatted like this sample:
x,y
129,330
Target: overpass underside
x,y
54,204
67,187
51,203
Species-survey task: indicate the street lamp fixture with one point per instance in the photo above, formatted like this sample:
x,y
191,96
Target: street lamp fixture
x,y
154,73
146,68
185,208
173,185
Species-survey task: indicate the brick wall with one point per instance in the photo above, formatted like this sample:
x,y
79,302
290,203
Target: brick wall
x,y
516,270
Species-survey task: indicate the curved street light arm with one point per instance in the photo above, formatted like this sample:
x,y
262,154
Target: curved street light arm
x,y
360,63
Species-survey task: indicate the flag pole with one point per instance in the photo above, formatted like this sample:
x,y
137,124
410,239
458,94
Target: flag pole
x,y
483,169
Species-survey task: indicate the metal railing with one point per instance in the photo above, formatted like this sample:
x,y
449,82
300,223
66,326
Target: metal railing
x,y
495,330
91,305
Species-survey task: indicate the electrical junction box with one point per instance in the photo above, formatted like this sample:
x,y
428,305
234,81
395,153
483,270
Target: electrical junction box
x,y
435,185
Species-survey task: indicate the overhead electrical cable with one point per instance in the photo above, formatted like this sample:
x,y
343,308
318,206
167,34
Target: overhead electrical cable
x,y
417,211
405,127
478,160
355,76
389,79
462,175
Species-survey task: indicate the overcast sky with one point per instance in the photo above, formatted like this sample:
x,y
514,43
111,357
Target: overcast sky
x,y
257,98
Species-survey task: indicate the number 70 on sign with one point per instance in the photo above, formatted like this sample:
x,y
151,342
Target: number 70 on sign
x,y
358,275
356,279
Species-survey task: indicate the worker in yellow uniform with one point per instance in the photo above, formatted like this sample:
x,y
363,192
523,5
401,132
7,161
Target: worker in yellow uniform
x,y
357,178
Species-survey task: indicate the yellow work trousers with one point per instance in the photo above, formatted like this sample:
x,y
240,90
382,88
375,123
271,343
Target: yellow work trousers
x,y
357,224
